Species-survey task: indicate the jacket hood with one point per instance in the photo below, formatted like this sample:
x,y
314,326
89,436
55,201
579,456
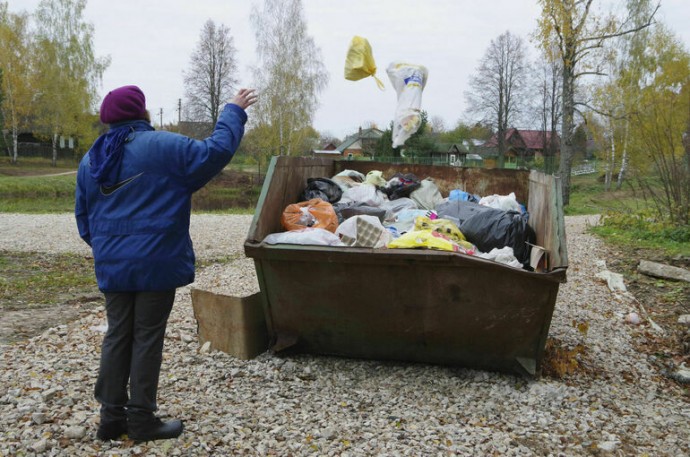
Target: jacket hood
x,y
106,153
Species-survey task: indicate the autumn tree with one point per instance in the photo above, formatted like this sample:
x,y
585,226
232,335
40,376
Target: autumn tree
x,y
658,127
618,98
210,81
498,86
15,84
67,72
290,75
3,137
578,33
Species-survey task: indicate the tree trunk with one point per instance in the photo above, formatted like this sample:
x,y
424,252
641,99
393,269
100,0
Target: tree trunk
x,y
566,160
15,145
501,135
611,157
501,123
7,146
55,139
624,158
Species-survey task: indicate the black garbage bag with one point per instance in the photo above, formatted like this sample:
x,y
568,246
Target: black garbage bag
x,y
401,185
322,188
489,228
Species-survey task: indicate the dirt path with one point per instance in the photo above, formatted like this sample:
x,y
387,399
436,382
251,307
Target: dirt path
x,y
73,172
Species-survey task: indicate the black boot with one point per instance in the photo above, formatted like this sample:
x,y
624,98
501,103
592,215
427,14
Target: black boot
x,y
111,430
154,429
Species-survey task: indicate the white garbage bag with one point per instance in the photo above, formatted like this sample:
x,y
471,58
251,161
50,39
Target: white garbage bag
x,y
503,202
409,81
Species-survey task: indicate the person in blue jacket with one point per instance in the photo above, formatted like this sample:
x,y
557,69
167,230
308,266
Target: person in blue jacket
x,y
133,204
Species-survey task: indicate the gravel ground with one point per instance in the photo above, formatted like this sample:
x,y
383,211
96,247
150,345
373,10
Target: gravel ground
x,y
307,405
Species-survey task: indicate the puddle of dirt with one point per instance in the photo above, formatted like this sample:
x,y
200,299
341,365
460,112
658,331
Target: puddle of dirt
x,y
21,324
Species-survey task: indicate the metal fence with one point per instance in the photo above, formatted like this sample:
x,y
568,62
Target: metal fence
x,y
584,168
45,151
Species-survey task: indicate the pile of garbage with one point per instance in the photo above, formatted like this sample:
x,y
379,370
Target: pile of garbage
x,y
403,212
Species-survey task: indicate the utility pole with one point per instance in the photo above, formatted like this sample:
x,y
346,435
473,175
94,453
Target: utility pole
x,y
160,114
179,112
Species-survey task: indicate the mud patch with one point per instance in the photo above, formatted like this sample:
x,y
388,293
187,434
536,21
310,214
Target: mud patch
x,y
21,324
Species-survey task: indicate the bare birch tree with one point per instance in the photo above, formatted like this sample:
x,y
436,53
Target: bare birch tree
x,y
210,81
290,75
498,86
548,97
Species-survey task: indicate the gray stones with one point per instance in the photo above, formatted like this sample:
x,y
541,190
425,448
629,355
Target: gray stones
x,y
309,405
40,446
38,418
76,432
681,374
49,394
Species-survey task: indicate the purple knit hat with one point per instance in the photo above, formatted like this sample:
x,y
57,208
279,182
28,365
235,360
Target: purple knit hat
x,y
126,103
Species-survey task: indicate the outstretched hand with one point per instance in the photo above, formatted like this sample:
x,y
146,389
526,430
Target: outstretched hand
x,y
244,98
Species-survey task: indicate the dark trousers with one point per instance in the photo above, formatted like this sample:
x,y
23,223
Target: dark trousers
x,y
132,352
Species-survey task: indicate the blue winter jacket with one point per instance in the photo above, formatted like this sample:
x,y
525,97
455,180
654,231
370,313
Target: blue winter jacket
x,y
133,200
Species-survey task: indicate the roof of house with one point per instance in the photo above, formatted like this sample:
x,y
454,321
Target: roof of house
x,y
327,151
530,139
363,134
452,148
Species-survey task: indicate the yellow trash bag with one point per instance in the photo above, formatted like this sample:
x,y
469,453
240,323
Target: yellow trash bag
x,y
443,226
359,62
425,239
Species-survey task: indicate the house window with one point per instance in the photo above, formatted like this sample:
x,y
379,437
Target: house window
x,y
452,158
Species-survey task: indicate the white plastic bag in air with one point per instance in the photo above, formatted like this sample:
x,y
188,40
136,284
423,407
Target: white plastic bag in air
x,y
409,81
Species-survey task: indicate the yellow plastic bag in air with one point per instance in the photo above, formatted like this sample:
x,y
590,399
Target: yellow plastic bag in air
x,y
359,62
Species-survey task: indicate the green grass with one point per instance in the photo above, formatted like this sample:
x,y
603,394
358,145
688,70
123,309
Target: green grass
x,y
641,229
23,193
35,166
37,195
587,196
37,279
629,220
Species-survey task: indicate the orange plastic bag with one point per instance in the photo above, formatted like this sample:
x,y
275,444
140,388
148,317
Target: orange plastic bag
x,y
315,213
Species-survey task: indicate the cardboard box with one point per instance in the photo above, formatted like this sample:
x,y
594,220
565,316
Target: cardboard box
x,y
234,325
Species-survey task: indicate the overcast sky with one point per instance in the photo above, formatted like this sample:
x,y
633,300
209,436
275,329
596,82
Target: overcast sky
x,y
150,43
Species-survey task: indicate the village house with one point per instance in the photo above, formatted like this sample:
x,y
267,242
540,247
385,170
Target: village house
x,y
361,144
522,146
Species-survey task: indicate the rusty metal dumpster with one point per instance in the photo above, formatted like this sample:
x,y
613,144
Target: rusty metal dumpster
x,y
407,304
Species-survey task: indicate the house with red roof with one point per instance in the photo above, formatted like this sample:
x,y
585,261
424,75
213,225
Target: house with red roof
x,y
523,145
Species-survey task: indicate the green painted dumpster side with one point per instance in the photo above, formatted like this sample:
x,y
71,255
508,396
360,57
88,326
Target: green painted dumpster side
x,y
409,305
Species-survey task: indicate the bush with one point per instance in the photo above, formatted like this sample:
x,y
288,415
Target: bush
x,y
646,225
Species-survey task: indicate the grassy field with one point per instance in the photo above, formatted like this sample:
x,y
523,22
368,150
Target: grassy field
x,y
35,187
628,218
36,276
587,196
